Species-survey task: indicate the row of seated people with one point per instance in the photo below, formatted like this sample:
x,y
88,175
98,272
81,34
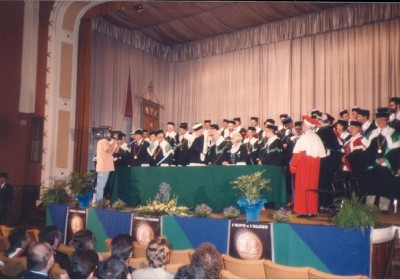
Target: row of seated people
x,y
44,259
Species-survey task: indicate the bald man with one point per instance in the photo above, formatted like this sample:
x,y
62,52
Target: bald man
x,y
40,260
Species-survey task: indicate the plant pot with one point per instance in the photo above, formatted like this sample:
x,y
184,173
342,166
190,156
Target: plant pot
x,y
252,210
84,200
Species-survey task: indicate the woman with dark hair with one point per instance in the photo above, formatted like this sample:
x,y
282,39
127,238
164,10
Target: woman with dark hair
x,y
19,240
83,240
157,254
83,264
113,268
209,259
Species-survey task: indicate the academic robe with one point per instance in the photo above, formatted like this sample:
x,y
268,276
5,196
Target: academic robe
x,y
251,147
305,164
353,151
196,154
218,153
139,152
182,150
272,152
236,155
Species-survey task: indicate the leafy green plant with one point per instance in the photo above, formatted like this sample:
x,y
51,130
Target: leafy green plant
x,y
355,214
82,184
250,186
56,194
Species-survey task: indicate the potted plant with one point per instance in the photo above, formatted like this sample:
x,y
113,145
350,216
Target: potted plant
x,y
56,194
250,187
231,212
82,187
354,213
203,210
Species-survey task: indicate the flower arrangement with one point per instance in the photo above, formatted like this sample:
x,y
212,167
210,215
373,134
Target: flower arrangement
x,y
119,204
163,203
203,210
250,186
283,215
102,204
231,212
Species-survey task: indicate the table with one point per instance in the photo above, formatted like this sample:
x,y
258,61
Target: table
x,y
193,185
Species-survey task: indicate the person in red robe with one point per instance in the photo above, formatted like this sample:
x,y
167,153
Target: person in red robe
x,y
305,164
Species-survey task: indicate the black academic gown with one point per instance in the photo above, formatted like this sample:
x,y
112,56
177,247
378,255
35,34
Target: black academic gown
x,y
331,163
182,152
218,154
251,152
239,156
377,179
196,150
139,153
272,154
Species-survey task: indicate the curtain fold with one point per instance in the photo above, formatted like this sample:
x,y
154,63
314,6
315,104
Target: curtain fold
x,y
348,16
83,98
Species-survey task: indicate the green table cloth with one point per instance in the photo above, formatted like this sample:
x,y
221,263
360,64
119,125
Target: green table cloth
x,y
193,185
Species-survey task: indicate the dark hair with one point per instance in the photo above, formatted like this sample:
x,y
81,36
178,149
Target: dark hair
x,y
17,235
83,239
157,252
83,263
121,246
190,272
38,256
113,268
209,259
49,234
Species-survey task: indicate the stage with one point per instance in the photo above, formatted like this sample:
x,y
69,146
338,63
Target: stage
x,y
302,242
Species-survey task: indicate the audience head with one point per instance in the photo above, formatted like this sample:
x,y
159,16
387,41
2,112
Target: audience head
x,y
83,264
209,259
190,272
157,252
40,257
121,246
19,238
113,268
83,239
51,235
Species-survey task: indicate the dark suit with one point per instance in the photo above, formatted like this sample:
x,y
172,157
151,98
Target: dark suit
x,y
6,195
27,274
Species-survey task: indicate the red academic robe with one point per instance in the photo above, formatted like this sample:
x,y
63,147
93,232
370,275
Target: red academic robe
x,y
306,169
305,164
